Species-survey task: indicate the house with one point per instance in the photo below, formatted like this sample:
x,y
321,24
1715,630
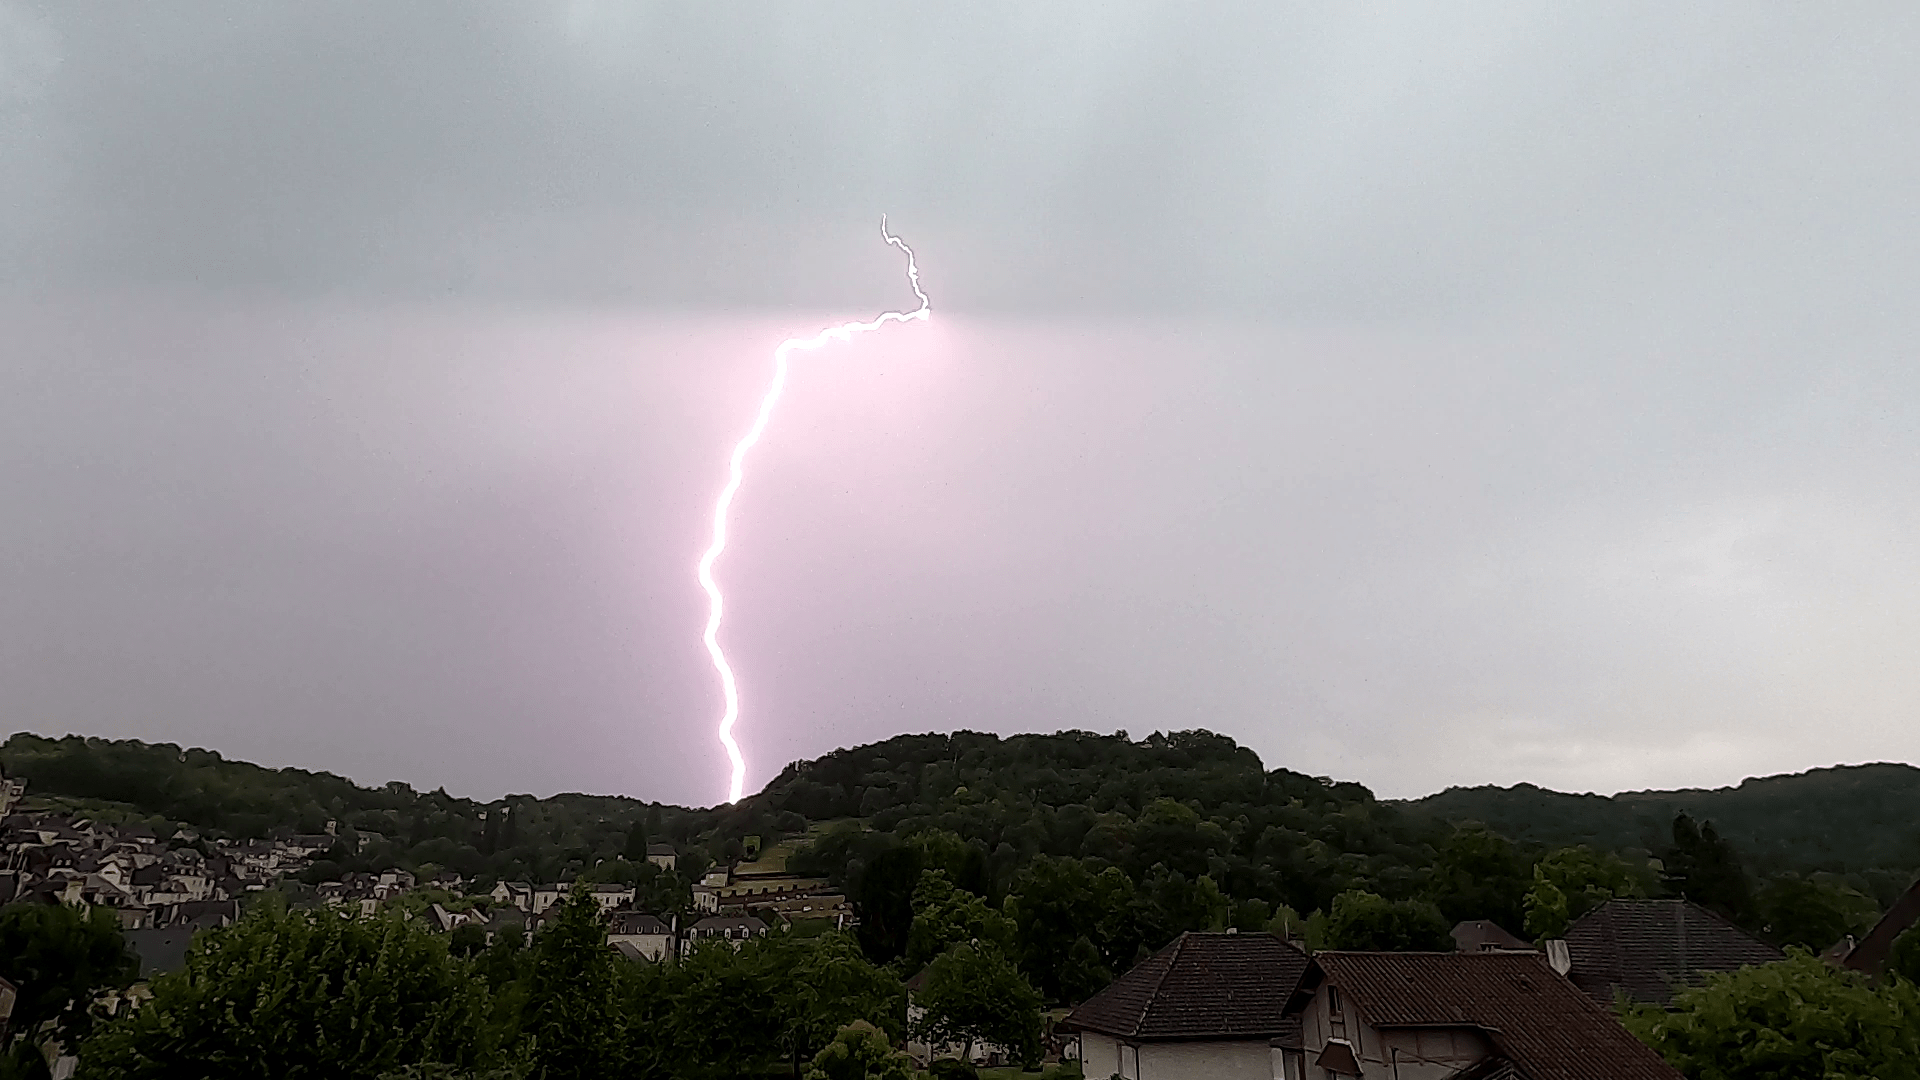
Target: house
x,y
609,896
545,896
733,929
1442,1016
448,921
1870,953
1483,935
1647,949
824,907
515,893
650,938
10,792
662,856
1208,1005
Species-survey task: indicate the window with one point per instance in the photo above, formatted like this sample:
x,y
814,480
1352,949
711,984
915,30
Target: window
x,y
1333,1000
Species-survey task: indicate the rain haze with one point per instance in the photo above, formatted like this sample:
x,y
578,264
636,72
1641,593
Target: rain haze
x,y
1420,395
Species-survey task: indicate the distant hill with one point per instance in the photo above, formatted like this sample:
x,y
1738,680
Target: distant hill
x,y
1846,819
166,786
1194,803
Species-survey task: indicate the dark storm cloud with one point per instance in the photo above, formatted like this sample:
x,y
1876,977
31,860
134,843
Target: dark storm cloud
x,y
1418,394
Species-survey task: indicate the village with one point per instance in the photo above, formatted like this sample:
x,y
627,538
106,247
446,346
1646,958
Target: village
x,y
165,889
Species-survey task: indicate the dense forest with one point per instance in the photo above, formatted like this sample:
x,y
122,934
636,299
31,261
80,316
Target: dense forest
x,y
1861,820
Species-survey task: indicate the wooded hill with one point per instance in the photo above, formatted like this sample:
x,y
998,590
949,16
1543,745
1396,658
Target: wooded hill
x,y
1848,819
1184,805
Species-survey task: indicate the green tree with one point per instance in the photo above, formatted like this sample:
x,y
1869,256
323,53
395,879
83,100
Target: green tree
x,y
1571,881
636,849
1479,875
1705,869
1311,931
573,1029
944,915
860,1052
885,900
661,892
722,1020
1168,905
818,985
973,993
1811,912
1904,958
468,940
1364,920
302,994
1798,1019
60,958
1056,903
964,863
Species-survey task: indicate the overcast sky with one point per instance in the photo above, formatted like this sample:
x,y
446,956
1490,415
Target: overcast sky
x,y
1420,394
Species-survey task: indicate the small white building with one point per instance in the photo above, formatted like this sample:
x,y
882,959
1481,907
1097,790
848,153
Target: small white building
x,y
610,896
517,894
662,856
646,936
545,896
1207,1007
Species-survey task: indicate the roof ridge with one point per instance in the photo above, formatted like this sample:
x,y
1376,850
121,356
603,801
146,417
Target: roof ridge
x,y
1174,950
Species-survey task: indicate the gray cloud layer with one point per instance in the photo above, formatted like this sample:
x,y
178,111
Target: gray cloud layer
x,y
1420,395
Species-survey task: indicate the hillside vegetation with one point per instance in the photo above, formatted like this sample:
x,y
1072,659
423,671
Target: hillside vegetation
x,y
1092,848
1851,819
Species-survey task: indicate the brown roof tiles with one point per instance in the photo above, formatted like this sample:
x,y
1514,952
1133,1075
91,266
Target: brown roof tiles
x,y
1650,948
1537,1021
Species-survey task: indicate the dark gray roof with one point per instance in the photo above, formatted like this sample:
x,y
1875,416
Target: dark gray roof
x,y
1484,935
1650,948
1203,986
160,951
638,922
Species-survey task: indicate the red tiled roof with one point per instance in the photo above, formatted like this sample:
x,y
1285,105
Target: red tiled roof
x,y
1203,986
1650,948
1537,1020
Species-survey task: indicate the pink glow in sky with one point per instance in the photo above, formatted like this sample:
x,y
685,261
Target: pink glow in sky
x,y
736,473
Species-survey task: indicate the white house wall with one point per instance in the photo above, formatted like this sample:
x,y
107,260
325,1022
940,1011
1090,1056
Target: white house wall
x,y
1242,1060
1103,1056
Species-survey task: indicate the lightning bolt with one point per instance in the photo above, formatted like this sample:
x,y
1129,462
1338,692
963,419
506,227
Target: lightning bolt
x,y
736,472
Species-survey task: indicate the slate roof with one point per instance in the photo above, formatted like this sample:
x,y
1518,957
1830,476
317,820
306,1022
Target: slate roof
x,y
1484,935
160,951
635,922
1537,1021
1650,948
1203,986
